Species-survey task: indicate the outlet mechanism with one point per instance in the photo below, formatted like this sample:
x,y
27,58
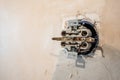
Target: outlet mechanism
x,y
80,36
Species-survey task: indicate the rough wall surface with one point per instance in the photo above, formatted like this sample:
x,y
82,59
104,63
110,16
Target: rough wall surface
x,y
26,27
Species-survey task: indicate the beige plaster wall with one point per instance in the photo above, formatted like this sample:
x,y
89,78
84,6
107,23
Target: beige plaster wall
x,y
26,28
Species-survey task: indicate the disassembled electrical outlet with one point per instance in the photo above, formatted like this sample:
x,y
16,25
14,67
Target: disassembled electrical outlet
x,y
79,37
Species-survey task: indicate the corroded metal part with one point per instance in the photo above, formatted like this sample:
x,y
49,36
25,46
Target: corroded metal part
x,y
88,39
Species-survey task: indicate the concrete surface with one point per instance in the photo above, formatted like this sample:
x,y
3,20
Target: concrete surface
x,y
97,68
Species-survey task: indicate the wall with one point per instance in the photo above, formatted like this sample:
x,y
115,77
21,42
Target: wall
x,y
26,28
